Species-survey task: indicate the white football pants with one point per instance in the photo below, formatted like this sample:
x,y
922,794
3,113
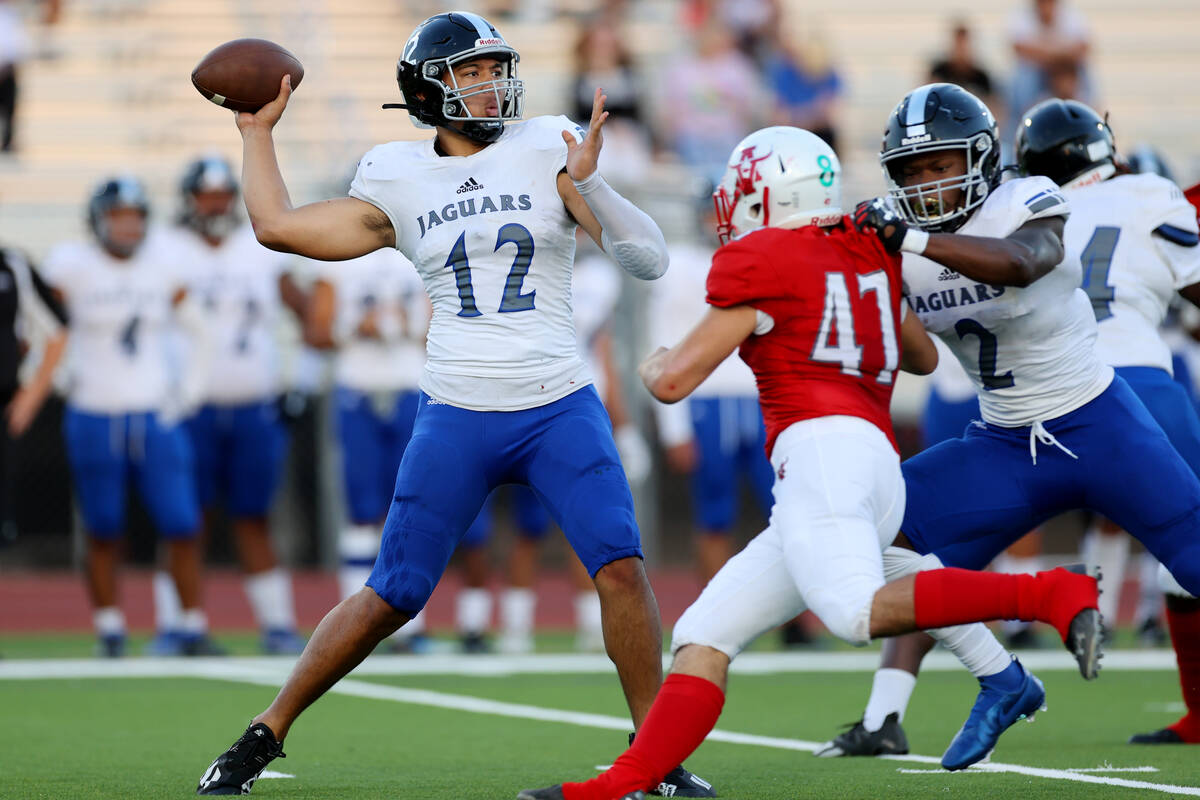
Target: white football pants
x,y
839,500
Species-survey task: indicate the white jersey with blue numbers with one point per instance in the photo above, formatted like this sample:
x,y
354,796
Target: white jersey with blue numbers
x,y
494,245
1135,237
1029,351
120,313
382,284
236,284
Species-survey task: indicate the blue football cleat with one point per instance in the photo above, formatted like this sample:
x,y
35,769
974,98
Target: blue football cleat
x,y
282,642
1004,698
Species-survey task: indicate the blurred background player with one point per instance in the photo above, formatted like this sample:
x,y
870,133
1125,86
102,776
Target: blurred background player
x,y
122,425
31,320
716,435
237,436
1137,239
374,313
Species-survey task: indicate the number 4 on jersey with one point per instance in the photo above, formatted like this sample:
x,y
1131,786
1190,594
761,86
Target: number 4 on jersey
x,y
836,342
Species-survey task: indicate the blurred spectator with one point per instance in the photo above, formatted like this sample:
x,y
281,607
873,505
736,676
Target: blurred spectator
x,y
14,48
713,98
751,22
1051,41
960,66
602,60
805,84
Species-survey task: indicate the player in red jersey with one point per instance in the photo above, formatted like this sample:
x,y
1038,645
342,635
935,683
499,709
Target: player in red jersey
x,y
815,306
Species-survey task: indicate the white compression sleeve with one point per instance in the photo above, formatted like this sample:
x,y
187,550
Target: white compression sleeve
x,y
632,239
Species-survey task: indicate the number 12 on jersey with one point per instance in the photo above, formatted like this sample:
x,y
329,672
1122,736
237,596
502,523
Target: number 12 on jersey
x,y
836,342
513,300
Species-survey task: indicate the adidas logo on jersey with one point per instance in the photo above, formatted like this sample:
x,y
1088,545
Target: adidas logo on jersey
x,y
947,275
471,185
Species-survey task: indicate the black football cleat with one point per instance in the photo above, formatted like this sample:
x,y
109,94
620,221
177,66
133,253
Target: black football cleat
x,y
889,740
236,770
1085,637
1165,736
680,782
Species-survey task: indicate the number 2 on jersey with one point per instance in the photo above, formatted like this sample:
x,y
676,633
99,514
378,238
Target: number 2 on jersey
x,y
838,320
513,299
987,354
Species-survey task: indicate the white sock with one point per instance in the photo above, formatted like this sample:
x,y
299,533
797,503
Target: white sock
x,y
516,620
413,627
473,610
270,596
516,611
166,602
1150,594
890,692
193,621
357,548
976,647
1018,565
589,626
109,621
1110,553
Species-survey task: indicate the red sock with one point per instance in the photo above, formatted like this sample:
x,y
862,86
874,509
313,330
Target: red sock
x,y
684,712
952,596
1183,620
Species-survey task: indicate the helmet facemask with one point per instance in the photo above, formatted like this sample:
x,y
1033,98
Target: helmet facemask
x,y
924,204
508,91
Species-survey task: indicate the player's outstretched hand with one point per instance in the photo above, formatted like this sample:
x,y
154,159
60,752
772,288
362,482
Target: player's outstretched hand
x,y
875,216
582,156
266,117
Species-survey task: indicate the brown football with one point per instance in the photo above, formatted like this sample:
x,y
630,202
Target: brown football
x,y
244,74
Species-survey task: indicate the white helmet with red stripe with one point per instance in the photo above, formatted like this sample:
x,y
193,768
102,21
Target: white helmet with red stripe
x,y
781,177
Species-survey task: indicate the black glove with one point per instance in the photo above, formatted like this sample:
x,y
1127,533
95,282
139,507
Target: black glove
x,y
874,216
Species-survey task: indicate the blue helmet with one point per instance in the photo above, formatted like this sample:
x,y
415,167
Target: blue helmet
x,y
425,73
123,191
208,174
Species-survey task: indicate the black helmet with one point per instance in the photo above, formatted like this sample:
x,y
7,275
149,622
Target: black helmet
x,y
208,174
1066,141
119,192
425,73
941,116
1145,158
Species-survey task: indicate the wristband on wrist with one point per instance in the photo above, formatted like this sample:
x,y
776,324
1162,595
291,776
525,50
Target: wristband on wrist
x,y
589,184
915,241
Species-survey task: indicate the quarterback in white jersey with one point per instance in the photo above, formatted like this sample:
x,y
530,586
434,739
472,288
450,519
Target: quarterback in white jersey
x,y
1138,242
486,210
237,435
121,424
1057,424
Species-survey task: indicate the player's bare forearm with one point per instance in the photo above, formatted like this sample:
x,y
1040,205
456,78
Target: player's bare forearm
x,y
918,354
1018,260
265,193
673,374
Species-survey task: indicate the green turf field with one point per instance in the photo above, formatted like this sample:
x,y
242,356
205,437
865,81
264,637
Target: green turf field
x,y
152,737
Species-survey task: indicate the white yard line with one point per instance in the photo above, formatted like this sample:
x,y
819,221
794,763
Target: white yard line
x,y
269,672
565,663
